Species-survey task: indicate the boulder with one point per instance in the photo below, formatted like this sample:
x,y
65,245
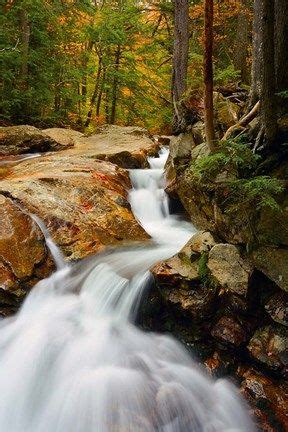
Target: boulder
x,y
179,281
126,146
273,262
269,345
83,201
64,137
24,259
179,156
229,269
268,399
229,330
21,242
16,140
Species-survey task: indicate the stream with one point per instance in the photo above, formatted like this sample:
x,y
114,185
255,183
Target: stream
x,y
72,360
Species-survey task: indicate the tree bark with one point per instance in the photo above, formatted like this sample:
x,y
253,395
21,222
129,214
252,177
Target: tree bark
x,y
256,55
208,75
100,94
242,43
281,52
180,63
268,107
115,85
95,93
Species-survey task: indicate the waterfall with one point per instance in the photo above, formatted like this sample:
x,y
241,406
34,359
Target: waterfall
x,y
72,360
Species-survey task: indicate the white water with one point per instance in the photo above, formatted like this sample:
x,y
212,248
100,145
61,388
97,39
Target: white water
x,y
72,361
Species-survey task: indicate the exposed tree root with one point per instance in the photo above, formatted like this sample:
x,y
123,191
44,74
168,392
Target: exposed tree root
x,y
243,122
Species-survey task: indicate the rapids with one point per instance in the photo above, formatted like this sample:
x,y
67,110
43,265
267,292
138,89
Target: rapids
x,y
72,360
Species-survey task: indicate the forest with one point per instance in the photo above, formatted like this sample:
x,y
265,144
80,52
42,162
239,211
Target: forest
x,y
144,215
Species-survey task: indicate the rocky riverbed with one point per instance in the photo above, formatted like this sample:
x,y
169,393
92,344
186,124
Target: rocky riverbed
x,y
228,306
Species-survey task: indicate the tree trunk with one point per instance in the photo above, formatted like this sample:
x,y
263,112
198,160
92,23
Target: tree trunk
x,y
242,43
115,85
208,75
180,63
268,107
256,56
25,39
281,52
95,93
100,94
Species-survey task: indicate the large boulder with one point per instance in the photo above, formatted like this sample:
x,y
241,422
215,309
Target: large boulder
x,y
64,137
125,146
83,201
24,259
229,269
178,279
16,140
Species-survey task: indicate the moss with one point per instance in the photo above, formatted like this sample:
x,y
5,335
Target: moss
x,y
203,269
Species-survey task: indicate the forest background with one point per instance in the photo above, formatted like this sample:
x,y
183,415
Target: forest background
x,y
82,63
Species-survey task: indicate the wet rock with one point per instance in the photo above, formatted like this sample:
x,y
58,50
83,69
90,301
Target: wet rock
x,y
269,400
228,330
277,308
269,345
229,269
273,263
16,140
79,198
21,243
24,259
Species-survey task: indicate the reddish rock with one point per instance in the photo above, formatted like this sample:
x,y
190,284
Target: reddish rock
x,y
269,399
228,330
21,243
83,201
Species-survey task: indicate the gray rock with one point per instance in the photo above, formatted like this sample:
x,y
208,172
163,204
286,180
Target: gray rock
x,y
229,269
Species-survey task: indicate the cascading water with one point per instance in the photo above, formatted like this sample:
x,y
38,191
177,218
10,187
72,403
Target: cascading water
x,y
72,361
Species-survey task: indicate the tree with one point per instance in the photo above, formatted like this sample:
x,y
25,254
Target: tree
x,y
180,63
208,75
241,47
270,63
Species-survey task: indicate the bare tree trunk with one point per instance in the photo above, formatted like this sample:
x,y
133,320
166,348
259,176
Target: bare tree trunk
x,y
100,94
281,52
257,56
268,107
115,85
25,40
95,93
180,63
242,43
208,75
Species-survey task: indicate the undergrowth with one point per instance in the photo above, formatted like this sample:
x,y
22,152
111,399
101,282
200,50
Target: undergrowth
x,y
233,166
